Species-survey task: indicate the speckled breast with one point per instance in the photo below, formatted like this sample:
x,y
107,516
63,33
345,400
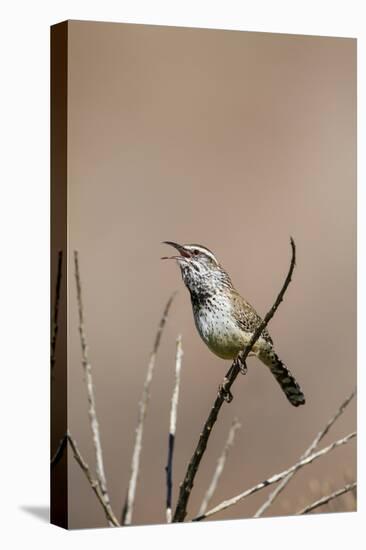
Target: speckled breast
x,y
218,329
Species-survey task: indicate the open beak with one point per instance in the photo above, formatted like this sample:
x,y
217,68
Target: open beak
x,y
183,252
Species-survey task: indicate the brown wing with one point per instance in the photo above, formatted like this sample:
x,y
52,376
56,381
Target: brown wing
x,y
247,318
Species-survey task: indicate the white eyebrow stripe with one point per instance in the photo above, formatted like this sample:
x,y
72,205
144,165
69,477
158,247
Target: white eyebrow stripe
x,y
202,249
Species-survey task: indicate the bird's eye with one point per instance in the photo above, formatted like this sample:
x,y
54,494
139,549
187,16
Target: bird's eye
x,y
195,252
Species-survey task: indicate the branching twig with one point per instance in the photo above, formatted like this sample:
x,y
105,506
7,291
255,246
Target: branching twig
x,y
220,466
326,499
55,311
95,485
89,385
275,478
280,487
172,430
135,463
67,438
187,484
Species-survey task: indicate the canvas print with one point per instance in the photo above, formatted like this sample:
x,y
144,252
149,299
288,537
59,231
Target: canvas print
x,y
203,275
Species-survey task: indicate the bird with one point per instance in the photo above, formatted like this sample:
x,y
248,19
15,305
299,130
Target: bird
x,y
224,319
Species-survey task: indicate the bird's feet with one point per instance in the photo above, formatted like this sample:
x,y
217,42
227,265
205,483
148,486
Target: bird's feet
x,y
239,362
224,391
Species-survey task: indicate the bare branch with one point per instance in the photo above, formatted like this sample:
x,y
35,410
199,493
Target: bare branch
x,y
172,429
56,311
94,424
67,438
280,487
59,451
220,466
275,478
187,484
135,462
326,499
95,485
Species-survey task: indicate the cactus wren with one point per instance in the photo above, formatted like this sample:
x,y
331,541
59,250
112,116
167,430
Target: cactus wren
x,y
224,320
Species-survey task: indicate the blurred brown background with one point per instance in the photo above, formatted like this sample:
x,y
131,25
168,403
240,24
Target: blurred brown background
x,y
234,140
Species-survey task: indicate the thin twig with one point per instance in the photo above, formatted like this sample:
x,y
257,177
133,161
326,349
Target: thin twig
x,y
326,499
94,483
56,311
172,430
280,487
135,462
220,466
67,438
59,451
94,424
275,478
187,484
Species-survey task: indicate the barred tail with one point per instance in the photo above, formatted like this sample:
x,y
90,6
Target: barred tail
x,y
283,376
